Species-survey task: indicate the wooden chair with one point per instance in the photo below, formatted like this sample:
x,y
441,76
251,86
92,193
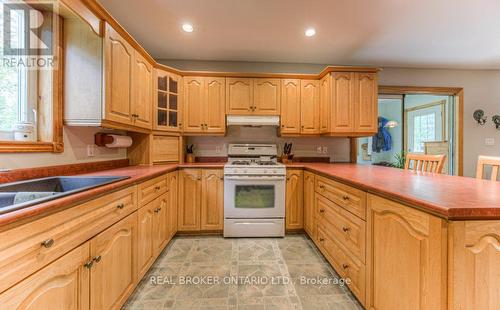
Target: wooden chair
x,y
425,162
483,161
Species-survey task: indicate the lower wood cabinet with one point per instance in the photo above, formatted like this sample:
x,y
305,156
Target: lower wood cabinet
x,y
309,214
113,264
153,231
406,257
173,186
201,200
294,213
63,284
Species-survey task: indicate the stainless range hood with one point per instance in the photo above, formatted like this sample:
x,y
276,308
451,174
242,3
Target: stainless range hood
x,y
253,121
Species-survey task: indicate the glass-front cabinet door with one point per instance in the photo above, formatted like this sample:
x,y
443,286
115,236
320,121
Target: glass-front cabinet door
x,y
167,113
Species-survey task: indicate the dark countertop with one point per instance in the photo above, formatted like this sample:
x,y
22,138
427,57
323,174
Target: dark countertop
x,y
450,197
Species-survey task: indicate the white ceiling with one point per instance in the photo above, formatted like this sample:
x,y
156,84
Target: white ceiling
x,y
402,33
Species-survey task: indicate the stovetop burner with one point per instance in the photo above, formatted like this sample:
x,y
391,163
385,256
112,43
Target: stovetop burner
x,y
240,162
266,163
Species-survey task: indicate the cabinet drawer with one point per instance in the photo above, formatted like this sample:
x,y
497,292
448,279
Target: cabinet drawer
x,y
29,247
346,228
345,266
349,198
151,189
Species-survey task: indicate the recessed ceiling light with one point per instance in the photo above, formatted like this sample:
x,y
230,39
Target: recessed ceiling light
x,y
310,32
187,27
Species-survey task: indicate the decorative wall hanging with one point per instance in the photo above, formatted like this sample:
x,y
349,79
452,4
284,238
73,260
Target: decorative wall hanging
x,y
479,117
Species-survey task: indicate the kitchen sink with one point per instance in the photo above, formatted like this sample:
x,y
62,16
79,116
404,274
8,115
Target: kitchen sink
x,y
18,195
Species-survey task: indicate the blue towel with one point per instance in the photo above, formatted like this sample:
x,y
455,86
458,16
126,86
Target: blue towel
x,y
382,140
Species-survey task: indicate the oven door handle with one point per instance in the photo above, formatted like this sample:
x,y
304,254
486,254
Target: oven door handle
x,y
254,178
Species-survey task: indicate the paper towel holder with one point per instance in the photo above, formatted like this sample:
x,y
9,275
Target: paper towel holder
x,y
101,139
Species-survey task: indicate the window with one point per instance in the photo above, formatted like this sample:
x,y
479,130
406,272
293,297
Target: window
x,y
17,87
424,130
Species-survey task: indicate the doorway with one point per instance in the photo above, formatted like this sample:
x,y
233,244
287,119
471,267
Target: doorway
x,y
426,123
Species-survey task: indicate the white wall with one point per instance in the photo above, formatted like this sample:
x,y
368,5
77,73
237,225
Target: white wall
x,y
337,148
76,140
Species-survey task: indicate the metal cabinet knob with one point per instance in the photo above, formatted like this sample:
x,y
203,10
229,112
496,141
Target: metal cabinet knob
x,y
346,229
120,206
345,266
157,188
322,186
48,243
321,239
322,211
97,258
345,197
88,264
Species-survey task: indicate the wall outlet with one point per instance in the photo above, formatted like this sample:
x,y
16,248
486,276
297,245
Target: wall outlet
x,y
217,149
91,150
489,141
319,150
325,150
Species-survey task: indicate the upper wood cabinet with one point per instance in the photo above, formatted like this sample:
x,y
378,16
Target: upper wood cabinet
x,y
142,91
64,284
366,103
204,102
201,194
167,101
324,103
309,107
290,106
246,96
118,67
294,213
342,102
212,203
267,96
406,257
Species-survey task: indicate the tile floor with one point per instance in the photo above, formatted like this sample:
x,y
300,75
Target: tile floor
x,y
241,274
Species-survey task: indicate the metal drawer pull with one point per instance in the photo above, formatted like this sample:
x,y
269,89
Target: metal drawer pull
x,y
157,210
121,206
345,266
322,211
346,229
322,186
88,264
97,258
321,239
345,197
48,243
157,188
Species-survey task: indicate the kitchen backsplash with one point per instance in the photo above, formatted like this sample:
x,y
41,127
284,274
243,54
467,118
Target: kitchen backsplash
x,y
336,149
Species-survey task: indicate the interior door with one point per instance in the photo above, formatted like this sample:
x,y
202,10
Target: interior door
x,y
215,115
193,104
267,96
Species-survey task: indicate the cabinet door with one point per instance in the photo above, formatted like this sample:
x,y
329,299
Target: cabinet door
x,y
239,96
145,236
173,178
114,272
167,113
193,107
309,106
161,223
309,217
189,200
406,259
290,106
64,284
324,103
474,264
215,114
342,107
212,204
267,96
294,213
366,103
118,61
142,91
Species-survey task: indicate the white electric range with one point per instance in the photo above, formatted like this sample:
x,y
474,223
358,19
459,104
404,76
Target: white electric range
x,y
254,192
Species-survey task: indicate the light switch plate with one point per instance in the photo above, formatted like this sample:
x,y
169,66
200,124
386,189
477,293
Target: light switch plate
x,y
489,141
91,150
319,150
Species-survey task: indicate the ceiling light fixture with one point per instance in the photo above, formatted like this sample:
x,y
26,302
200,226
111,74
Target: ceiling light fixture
x,y
310,32
187,27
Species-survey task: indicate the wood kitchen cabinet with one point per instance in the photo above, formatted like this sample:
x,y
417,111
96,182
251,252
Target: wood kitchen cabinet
x,y
342,102
63,284
309,107
290,106
142,91
153,231
204,105
212,203
294,213
309,214
365,103
173,185
246,96
267,96
113,273
324,103
201,192
406,257
167,101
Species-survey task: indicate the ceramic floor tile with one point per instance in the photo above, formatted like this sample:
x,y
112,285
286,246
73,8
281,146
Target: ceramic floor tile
x,y
281,262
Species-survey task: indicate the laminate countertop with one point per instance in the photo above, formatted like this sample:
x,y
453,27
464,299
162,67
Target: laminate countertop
x,y
450,197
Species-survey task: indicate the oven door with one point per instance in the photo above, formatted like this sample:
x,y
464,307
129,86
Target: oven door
x,y
254,197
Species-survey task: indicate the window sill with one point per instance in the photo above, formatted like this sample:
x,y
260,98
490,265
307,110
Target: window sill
x,y
30,147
